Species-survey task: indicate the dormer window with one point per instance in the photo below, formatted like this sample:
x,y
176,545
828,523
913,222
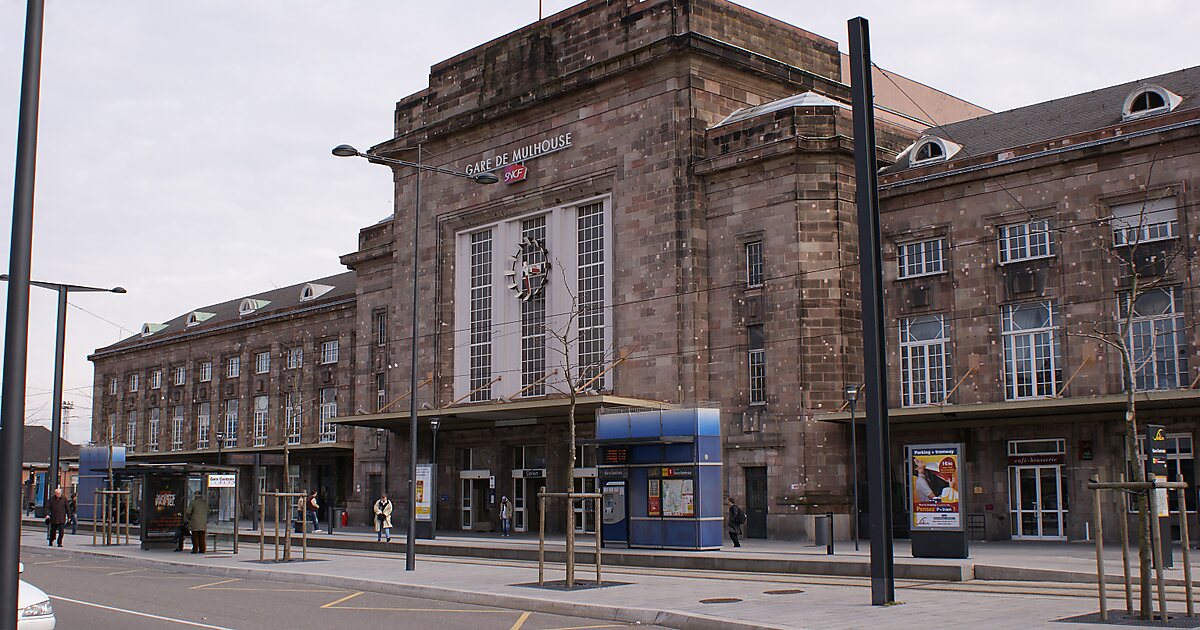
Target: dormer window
x,y
1149,100
196,318
312,291
933,150
149,329
248,306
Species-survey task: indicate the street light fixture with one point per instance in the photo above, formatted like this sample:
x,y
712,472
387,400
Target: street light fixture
x,y
220,446
851,394
483,177
59,351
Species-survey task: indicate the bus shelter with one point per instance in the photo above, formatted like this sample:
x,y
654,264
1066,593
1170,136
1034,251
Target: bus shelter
x,y
163,492
660,477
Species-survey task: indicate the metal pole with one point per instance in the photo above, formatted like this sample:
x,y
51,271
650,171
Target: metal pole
x,y
1187,556
542,538
854,471
16,329
410,546
1100,551
433,498
56,414
879,498
598,541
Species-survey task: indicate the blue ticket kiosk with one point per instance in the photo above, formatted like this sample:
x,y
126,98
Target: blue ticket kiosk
x,y
660,474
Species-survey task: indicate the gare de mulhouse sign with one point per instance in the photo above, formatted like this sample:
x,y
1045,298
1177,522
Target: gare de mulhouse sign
x,y
511,160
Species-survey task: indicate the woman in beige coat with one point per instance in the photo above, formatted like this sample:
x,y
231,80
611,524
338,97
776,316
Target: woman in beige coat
x,y
383,519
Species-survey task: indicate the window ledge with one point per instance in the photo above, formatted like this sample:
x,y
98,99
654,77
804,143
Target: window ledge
x,y
923,275
1021,260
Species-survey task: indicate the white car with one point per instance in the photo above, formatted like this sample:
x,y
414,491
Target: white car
x,y
34,606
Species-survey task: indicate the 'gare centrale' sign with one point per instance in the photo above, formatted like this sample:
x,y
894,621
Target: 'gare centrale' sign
x,y
521,153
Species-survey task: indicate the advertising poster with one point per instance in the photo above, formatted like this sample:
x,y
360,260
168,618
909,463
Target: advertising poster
x,y
166,501
678,499
424,487
654,498
936,480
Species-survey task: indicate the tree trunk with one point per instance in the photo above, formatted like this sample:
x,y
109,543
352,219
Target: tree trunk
x,y
1139,475
570,490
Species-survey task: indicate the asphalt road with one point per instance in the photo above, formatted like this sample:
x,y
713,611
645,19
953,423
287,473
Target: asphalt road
x,y
96,594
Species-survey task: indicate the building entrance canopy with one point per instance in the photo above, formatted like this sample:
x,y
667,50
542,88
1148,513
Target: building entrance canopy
x,y
476,414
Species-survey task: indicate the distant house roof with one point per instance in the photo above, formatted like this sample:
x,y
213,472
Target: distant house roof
x,y
36,449
306,294
1058,118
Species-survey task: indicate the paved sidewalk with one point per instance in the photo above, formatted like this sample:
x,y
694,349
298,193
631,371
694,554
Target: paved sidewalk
x,y
664,597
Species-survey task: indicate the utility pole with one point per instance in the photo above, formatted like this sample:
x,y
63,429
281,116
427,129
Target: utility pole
x,y
866,194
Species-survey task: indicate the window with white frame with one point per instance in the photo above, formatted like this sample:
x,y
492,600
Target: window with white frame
x,y
1032,359
292,412
381,400
295,358
134,381
533,315
379,325
203,424
231,423
233,367
921,258
262,406
327,412
925,376
131,432
155,379
757,362
112,386
329,352
1157,338
205,371
754,264
1145,221
262,362
591,296
179,375
1181,462
152,433
177,428
1025,241
481,315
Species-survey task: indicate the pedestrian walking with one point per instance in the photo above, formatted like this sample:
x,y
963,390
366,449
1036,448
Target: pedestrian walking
x,y
737,517
313,506
56,517
383,519
505,517
73,513
197,521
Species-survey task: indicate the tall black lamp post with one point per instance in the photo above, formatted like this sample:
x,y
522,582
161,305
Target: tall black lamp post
x,y
220,446
484,177
434,425
59,351
852,400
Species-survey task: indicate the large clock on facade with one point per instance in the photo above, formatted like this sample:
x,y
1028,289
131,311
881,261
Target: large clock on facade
x,y
529,269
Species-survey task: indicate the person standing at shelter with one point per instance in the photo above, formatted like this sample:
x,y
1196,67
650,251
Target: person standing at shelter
x,y
313,506
197,520
737,517
505,517
73,513
383,519
56,517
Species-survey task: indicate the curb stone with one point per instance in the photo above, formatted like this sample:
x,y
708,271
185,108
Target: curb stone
x,y
669,618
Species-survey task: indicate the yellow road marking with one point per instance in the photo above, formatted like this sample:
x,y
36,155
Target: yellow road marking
x,y
51,562
344,599
437,610
213,584
124,572
611,625
274,590
520,621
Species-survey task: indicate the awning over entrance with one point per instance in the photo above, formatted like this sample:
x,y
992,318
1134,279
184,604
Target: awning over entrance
x,y
500,413
242,454
1158,404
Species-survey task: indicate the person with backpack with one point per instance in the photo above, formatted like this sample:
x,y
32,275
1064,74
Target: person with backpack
x,y
737,517
383,519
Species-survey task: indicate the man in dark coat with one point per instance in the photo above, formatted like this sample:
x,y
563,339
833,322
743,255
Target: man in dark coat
x,y
56,515
736,518
73,513
197,521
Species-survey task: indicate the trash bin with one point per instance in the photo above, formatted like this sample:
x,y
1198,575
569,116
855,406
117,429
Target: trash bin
x,y
823,530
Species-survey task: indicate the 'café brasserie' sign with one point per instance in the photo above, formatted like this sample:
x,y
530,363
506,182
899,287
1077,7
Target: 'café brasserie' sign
x,y
521,154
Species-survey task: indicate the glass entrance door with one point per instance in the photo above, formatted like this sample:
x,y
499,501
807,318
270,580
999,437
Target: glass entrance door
x,y
519,506
467,503
1036,502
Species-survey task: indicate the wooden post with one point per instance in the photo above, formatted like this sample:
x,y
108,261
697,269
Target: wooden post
x,y
95,513
1124,523
128,502
1156,553
598,528
304,531
542,539
1099,527
1187,556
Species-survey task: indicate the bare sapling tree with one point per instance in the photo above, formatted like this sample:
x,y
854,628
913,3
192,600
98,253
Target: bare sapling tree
x,y
1147,322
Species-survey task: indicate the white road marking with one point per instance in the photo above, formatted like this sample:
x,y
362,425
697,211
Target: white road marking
x,y
182,622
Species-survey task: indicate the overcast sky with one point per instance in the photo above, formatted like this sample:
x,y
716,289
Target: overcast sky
x,y
184,146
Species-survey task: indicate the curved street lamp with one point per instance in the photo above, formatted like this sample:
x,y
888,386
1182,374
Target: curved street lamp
x,y
482,177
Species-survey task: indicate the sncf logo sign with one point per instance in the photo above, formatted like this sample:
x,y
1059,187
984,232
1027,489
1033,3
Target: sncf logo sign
x,y
514,173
